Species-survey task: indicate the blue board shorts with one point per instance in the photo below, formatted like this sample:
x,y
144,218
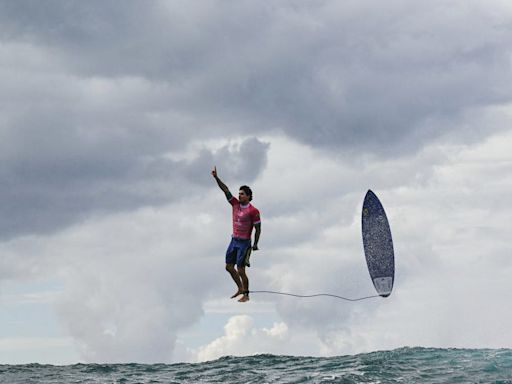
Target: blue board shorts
x,y
239,252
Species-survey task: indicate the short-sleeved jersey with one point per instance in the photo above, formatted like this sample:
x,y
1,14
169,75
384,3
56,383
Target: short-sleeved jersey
x,y
244,218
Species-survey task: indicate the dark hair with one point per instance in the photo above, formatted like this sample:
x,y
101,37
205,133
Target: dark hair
x,y
247,191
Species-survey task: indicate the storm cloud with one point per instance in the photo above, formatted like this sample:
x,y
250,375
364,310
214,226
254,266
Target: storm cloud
x,y
95,94
112,115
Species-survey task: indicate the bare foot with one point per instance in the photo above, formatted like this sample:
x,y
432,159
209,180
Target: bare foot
x,y
236,294
244,299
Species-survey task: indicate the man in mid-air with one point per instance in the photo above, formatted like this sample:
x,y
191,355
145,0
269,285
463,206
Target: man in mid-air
x,y
245,217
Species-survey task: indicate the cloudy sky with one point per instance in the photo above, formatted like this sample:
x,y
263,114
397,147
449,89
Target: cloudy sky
x,y
113,232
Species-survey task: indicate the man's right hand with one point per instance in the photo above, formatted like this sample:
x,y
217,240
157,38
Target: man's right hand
x,y
221,185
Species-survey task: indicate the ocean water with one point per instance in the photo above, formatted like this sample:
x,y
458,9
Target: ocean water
x,y
404,365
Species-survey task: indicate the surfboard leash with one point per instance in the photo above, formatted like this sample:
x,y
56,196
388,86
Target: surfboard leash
x,y
316,295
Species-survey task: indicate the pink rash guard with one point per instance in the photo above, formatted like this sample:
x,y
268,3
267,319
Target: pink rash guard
x,y
244,218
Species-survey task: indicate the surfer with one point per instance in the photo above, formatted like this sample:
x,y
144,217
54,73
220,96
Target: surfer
x,y
245,217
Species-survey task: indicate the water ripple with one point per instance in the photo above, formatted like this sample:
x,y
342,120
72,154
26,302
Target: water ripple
x,y
404,365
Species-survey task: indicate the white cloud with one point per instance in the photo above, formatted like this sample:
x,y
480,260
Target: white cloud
x,y
242,338
449,232
107,147
133,282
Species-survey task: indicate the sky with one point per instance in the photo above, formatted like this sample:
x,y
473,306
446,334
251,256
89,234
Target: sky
x,y
113,231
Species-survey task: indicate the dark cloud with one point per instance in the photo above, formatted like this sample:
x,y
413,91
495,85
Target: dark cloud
x,y
98,93
333,75
53,188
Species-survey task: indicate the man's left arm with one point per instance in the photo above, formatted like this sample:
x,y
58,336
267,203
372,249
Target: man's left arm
x,y
257,233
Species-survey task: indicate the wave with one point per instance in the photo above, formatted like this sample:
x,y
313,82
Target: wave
x,y
407,365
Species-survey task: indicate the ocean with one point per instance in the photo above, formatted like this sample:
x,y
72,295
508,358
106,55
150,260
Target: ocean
x,y
404,365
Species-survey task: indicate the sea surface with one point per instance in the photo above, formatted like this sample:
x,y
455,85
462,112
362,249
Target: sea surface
x,y
404,365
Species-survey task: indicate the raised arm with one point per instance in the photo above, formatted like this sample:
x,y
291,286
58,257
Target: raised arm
x,y
221,185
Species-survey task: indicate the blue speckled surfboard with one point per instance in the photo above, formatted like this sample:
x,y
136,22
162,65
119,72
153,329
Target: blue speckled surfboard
x,y
378,245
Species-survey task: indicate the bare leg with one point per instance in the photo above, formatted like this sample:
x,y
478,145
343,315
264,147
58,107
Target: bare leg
x,y
245,284
236,278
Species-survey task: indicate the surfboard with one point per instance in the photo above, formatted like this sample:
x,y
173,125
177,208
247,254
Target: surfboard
x,y
378,244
